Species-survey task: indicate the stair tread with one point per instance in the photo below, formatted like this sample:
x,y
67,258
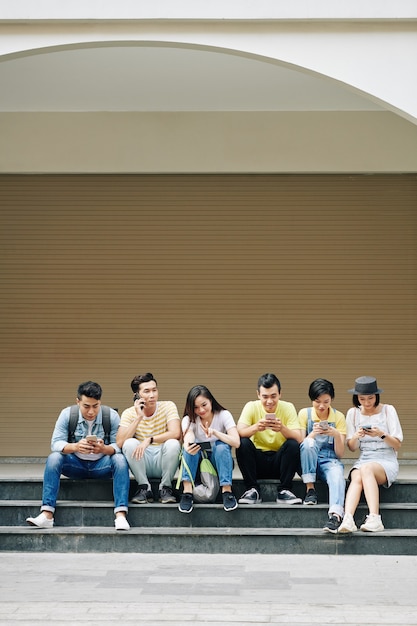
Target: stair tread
x,y
215,505
207,530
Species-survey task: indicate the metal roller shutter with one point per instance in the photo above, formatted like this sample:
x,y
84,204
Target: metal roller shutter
x,y
211,279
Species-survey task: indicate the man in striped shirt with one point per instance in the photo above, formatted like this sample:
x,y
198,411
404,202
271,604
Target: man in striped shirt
x,y
149,434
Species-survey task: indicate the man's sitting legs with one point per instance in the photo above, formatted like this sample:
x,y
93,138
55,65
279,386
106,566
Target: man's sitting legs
x,y
281,464
71,466
157,462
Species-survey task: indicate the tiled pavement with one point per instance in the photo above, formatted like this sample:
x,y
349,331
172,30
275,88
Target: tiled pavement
x,y
195,589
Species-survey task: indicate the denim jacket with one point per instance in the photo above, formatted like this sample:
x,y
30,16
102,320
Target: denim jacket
x,y
60,435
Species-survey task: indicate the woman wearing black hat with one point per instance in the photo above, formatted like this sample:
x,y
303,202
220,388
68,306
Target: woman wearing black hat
x,y
375,429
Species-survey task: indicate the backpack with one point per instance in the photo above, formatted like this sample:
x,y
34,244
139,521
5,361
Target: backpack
x,y
209,487
73,421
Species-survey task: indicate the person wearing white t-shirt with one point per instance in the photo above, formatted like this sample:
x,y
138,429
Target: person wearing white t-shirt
x,y
206,420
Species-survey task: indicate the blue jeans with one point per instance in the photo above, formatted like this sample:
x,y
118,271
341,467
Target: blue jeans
x,y
114,466
323,464
220,456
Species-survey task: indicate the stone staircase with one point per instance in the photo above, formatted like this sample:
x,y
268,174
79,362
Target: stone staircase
x,y
84,522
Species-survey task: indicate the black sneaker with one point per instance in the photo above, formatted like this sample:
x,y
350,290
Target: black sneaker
x,y
287,497
310,497
251,496
229,501
143,495
166,495
333,524
186,503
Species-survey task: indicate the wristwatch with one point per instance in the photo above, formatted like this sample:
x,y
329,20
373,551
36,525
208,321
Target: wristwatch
x,y
383,436
150,440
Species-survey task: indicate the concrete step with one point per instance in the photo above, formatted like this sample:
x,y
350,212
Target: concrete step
x,y
84,521
225,540
404,490
265,515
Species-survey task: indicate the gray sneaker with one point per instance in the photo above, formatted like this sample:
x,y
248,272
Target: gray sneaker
x,y
251,496
166,496
287,497
142,496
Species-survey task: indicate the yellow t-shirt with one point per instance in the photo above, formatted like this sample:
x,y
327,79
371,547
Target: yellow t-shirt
x,y
335,417
154,425
267,439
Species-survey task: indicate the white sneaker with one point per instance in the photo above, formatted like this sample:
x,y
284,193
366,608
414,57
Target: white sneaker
x,y
348,524
373,524
121,523
41,521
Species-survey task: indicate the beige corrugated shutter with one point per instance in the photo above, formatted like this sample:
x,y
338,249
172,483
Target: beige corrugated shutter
x,y
203,279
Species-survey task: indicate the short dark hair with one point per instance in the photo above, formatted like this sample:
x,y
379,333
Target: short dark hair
x,y
89,390
355,400
200,390
268,381
141,378
320,386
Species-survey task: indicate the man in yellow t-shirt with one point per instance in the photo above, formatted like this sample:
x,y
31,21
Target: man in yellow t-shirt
x,y
149,434
269,448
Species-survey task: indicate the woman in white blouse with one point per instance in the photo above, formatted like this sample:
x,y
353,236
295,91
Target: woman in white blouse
x,y
375,429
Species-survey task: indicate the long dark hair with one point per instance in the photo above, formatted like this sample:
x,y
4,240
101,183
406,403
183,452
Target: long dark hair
x,y
200,390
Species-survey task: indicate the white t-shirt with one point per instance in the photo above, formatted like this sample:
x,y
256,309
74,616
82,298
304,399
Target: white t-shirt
x,y
222,421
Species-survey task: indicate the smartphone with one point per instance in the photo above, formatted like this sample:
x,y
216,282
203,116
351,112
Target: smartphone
x,y
367,427
271,417
204,445
137,397
91,438
324,425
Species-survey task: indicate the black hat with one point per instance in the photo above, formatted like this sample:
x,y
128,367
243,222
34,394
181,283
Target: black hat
x,y
365,386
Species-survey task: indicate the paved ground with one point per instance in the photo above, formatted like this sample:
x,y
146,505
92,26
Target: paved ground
x,y
184,589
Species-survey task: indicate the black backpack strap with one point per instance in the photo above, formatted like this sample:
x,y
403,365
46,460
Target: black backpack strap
x,y
105,411
73,421
72,424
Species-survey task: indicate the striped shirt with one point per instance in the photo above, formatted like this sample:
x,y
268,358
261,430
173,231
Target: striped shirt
x,y
154,425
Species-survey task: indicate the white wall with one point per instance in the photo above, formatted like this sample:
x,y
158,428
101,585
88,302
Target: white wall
x,y
209,9
207,142
367,47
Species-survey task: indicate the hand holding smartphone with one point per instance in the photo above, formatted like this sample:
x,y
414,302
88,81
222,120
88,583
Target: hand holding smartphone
x,y
141,401
204,445
91,438
324,425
